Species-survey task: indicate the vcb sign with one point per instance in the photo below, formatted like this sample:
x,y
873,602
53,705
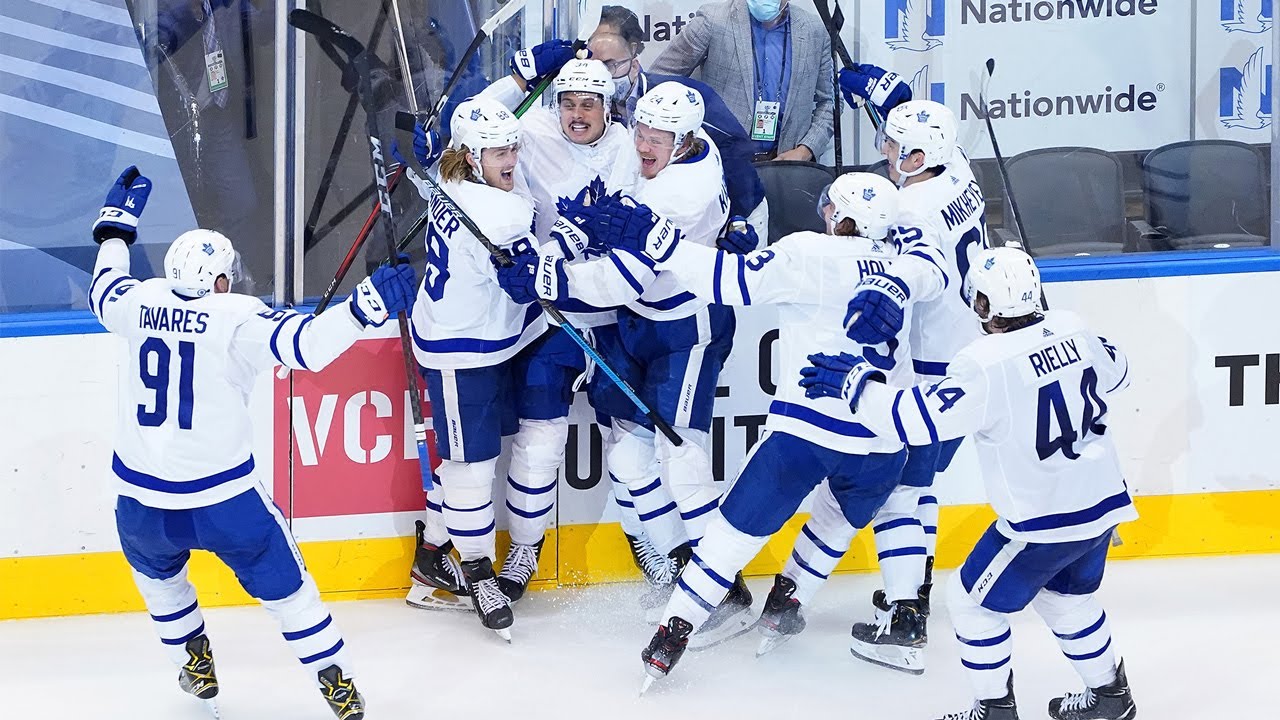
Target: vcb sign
x,y
347,432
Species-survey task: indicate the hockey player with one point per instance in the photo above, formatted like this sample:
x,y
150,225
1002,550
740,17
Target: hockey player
x,y
183,465
1033,393
940,227
807,275
477,348
668,344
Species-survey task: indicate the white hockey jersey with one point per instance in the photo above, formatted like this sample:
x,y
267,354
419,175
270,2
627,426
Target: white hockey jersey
x,y
1035,401
808,276
941,216
462,318
183,431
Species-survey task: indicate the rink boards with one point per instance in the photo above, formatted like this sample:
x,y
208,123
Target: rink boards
x,y
1195,433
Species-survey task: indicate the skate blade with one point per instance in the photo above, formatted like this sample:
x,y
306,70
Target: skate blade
x,y
428,597
648,682
211,707
894,657
740,623
770,642
504,633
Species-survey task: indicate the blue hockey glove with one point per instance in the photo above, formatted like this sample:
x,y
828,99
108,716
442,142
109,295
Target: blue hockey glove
x,y
875,314
623,224
531,277
389,290
427,147
840,376
740,242
884,89
120,212
537,62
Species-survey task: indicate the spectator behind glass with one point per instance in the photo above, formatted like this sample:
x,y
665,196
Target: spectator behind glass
x,y
618,42
771,64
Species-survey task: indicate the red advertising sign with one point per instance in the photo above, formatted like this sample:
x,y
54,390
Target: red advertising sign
x,y
348,434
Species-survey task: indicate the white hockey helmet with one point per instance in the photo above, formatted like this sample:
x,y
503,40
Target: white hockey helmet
x,y
196,259
480,123
673,107
870,199
1010,280
922,125
586,76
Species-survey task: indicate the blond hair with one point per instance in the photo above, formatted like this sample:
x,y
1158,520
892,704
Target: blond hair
x,y
454,166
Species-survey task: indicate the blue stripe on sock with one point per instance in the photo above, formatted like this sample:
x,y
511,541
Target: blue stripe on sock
x,y
530,490
986,642
645,517
806,568
177,615
527,514
1089,656
901,552
1085,632
291,636
696,597
900,522
194,633
647,488
697,512
985,666
818,543
322,655
702,565
472,533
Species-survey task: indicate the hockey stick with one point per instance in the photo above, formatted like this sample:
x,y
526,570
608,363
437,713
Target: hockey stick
x,y
363,235
501,257
312,23
1004,172
837,44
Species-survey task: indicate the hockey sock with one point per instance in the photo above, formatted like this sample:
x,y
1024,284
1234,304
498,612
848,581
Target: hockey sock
x,y
174,610
633,460
900,544
823,540
927,514
308,628
468,506
536,454
707,578
436,533
687,471
627,515
986,642
1080,624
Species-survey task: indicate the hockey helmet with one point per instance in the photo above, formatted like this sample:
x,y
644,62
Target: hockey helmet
x,y
480,123
870,199
586,76
1008,277
673,107
196,259
920,125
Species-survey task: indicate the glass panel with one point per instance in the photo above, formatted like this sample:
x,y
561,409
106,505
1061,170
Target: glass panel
x,y
88,90
338,190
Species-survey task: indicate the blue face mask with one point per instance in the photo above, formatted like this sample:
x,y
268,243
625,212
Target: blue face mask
x,y
764,10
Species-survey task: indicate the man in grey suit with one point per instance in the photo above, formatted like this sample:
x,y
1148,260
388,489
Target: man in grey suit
x,y
771,64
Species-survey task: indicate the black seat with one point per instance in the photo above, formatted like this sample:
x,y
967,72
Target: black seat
x,y
1071,201
1204,194
792,188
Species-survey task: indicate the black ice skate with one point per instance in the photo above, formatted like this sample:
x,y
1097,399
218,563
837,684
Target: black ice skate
x,y
197,676
731,618
896,640
665,649
999,709
881,602
493,607
341,694
655,599
781,619
1112,701
518,569
659,570
437,577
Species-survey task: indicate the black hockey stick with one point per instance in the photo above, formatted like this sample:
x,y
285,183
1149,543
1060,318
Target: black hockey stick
x,y
501,257
837,44
314,24
1004,172
356,246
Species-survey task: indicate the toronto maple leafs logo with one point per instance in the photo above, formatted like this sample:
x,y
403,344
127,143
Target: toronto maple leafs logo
x,y
922,116
991,262
1247,16
868,194
475,114
207,248
693,97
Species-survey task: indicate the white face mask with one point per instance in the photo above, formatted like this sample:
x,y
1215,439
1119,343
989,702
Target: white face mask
x,y
764,10
622,88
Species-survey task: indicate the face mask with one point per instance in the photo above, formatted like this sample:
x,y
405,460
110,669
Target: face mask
x,y
622,88
764,10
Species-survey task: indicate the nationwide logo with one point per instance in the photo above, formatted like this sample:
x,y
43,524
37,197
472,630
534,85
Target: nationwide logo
x,y
1247,16
1244,94
914,25
983,12
1026,104
922,88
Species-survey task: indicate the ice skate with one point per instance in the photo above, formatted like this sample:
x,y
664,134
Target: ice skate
x,y
781,619
659,570
731,618
518,569
665,649
493,607
341,694
437,578
1112,701
881,601
999,709
654,600
896,640
197,675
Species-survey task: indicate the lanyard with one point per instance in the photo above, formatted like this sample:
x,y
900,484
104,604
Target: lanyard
x,y
755,61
